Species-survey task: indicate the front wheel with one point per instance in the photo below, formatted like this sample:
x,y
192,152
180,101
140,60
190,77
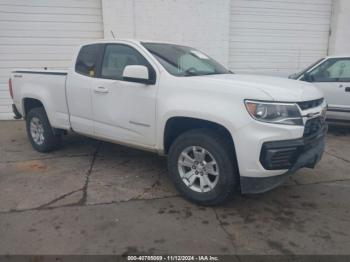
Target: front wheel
x,y
202,167
40,132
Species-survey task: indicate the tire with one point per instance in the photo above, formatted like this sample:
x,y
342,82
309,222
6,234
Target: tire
x,y
48,141
218,147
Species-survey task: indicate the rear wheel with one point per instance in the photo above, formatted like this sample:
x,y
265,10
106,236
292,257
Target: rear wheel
x,y
40,132
202,167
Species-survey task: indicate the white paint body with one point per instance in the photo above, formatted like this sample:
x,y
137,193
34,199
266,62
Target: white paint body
x,y
136,114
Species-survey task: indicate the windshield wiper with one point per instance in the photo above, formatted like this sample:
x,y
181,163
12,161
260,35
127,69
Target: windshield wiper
x,y
201,73
211,73
190,74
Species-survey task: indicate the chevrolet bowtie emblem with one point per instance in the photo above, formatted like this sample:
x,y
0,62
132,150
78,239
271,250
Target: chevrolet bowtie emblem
x,y
311,114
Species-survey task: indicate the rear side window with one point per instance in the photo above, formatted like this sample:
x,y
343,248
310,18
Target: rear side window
x,y
88,60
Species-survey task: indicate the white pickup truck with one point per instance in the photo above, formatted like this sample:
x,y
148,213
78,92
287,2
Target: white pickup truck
x,y
222,132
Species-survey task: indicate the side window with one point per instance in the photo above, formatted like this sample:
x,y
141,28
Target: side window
x,y
117,57
332,70
340,70
88,60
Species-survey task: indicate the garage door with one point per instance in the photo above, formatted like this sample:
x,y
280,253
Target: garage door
x,y
278,37
40,33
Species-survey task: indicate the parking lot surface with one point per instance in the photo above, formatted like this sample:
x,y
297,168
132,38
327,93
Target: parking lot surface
x,y
93,197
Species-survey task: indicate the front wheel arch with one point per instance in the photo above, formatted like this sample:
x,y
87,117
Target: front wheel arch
x,y
176,126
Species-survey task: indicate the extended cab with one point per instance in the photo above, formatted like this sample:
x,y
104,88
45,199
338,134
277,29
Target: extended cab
x,y
222,132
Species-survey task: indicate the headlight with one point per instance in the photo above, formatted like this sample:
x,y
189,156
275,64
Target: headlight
x,y
276,113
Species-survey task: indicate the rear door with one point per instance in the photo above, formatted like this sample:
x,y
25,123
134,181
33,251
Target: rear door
x,y
124,111
333,78
80,82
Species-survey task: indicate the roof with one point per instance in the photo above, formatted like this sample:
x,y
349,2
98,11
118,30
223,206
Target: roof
x,y
135,41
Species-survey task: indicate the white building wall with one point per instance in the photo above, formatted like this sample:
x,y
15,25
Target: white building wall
x,y
340,29
278,37
199,23
40,33
273,37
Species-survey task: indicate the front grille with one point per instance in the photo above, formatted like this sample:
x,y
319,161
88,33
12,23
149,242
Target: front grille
x,y
310,104
313,126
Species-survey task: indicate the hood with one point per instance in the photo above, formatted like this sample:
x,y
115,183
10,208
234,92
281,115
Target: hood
x,y
279,89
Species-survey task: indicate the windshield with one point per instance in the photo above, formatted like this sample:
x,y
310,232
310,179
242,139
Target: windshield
x,y
184,61
297,75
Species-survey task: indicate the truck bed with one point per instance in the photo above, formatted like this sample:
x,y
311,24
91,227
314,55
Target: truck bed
x,y
48,86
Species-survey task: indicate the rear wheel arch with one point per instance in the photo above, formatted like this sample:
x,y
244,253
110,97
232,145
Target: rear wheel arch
x,y
40,132
29,103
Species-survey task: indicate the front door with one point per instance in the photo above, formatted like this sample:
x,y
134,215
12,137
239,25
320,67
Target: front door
x,y
123,111
333,78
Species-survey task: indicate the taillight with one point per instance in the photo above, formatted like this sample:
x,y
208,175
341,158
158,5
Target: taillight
x,y
10,88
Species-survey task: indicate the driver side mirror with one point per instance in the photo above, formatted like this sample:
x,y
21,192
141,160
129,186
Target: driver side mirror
x,y
308,78
137,74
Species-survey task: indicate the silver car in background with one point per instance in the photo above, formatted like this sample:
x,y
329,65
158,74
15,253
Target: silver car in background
x,y
332,75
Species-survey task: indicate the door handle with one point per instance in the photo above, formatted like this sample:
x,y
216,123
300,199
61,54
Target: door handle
x,y
347,89
101,89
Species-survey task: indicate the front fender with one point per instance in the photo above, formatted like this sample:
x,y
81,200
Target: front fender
x,y
224,111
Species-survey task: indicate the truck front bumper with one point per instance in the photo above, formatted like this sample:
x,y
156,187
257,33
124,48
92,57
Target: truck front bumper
x,y
287,154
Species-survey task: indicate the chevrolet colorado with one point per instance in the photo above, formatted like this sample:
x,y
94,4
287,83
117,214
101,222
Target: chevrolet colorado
x,y
222,132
